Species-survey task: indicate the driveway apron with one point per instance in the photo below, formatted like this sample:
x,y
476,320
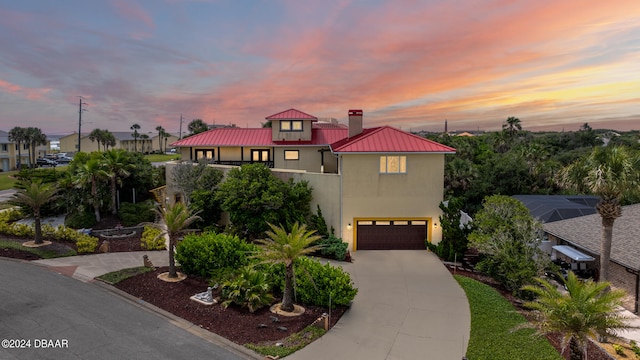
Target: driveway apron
x,y
408,307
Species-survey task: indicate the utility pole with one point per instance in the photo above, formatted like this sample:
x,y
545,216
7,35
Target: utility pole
x,y
180,127
80,110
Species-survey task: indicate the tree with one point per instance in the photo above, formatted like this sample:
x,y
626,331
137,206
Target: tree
x,y
88,175
610,173
197,126
135,135
160,131
284,248
174,222
117,166
144,138
18,135
35,195
512,125
34,138
199,184
97,135
508,238
587,310
108,140
454,234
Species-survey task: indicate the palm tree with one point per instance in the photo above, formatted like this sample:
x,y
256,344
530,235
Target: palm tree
x,y
285,248
611,173
160,131
136,135
117,166
108,139
97,135
512,125
174,222
88,174
18,135
197,126
35,195
587,310
34,137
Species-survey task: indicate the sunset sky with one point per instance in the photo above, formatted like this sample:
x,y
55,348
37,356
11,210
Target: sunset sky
x,y
410,64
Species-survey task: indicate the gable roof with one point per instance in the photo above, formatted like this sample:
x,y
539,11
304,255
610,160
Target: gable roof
x,y
550,208
586,232
258,137
291,114
386,139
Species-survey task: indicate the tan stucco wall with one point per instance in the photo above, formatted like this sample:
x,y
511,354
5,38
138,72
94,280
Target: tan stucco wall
x,y
277,135
368,194
309,159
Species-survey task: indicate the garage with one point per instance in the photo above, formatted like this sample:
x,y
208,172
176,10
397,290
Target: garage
x,y
391,234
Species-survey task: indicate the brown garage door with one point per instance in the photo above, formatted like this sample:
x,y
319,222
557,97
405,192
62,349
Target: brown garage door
x,y
391,235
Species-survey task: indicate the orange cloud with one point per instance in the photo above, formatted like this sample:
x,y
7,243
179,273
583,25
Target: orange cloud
x,y
31,94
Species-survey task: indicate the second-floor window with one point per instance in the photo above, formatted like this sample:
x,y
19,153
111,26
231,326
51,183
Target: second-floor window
x,y
5,148
393,164
290,125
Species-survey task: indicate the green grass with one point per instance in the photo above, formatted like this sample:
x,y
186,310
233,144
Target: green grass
x,y
162,157
7,182
42,252
117,276
493,323
291,344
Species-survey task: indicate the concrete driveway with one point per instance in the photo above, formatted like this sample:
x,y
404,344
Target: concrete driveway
x,y
408,307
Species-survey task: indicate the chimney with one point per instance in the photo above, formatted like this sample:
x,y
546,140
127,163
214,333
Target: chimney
x,y
355,122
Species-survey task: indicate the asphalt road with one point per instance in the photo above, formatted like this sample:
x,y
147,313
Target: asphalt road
x,y
62,318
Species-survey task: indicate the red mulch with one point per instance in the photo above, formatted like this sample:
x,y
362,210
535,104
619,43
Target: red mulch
x,y
234,323
594,352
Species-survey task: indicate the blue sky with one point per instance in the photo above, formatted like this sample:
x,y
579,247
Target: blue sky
x,y
409,64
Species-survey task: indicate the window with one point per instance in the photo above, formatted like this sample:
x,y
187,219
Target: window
x,y
290,125
393,164
5,148
204,154
291,155
260,155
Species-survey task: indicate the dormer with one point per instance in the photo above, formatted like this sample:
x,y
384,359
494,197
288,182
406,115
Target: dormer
x,y
291,125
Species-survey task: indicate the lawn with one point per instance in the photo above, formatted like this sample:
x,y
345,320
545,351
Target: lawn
x,y
493,324
45,252
162,157
6,180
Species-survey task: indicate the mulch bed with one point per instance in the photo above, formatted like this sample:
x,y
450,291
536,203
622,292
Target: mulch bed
x,y
234,323
594,352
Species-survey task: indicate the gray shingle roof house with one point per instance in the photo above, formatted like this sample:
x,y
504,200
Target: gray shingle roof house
x,y
549,208
585,234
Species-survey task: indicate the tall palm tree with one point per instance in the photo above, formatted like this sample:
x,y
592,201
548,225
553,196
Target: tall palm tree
x,y
136,135
35,195
89,174
34,137
174,222
18,135
587,310
96,135
144,138
512,125
610,173
160,131
117,165
108,140
284,248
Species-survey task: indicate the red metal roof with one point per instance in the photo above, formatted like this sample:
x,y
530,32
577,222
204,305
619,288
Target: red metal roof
x,y
257,137
291,114
386,139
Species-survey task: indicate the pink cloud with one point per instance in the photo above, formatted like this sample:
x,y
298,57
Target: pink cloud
x,y
31,94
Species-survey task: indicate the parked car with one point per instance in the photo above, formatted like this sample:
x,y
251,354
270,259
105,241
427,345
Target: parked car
x,y
45,162
64,160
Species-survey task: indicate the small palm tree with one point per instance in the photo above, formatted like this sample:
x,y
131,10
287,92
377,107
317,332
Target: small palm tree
x,y
89,174
174,222
512,125
118,166
35,195
587,310
284,248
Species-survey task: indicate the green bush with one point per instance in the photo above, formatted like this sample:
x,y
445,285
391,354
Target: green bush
x,y
86,244
317,283
152,239
134,214
333,247
204,254
619,349
250,288
10,215
80,220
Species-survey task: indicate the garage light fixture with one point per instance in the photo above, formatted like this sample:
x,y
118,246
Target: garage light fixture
x,y
349,226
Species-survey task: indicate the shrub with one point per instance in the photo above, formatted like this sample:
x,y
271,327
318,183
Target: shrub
x,y
80,220
152,239
317,283
86,244
10,215
619,349
635,348
134,214
333,247
203,254
250,288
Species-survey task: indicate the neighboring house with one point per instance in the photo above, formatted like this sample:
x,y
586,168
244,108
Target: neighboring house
x,y
550,208
9,153
379,188
124,140
585,234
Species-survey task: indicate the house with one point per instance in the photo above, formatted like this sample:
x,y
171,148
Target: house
x,y
584,233
148,143
379,188
9,152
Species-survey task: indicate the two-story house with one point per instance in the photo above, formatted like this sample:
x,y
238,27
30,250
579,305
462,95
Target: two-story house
x,y
379,188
